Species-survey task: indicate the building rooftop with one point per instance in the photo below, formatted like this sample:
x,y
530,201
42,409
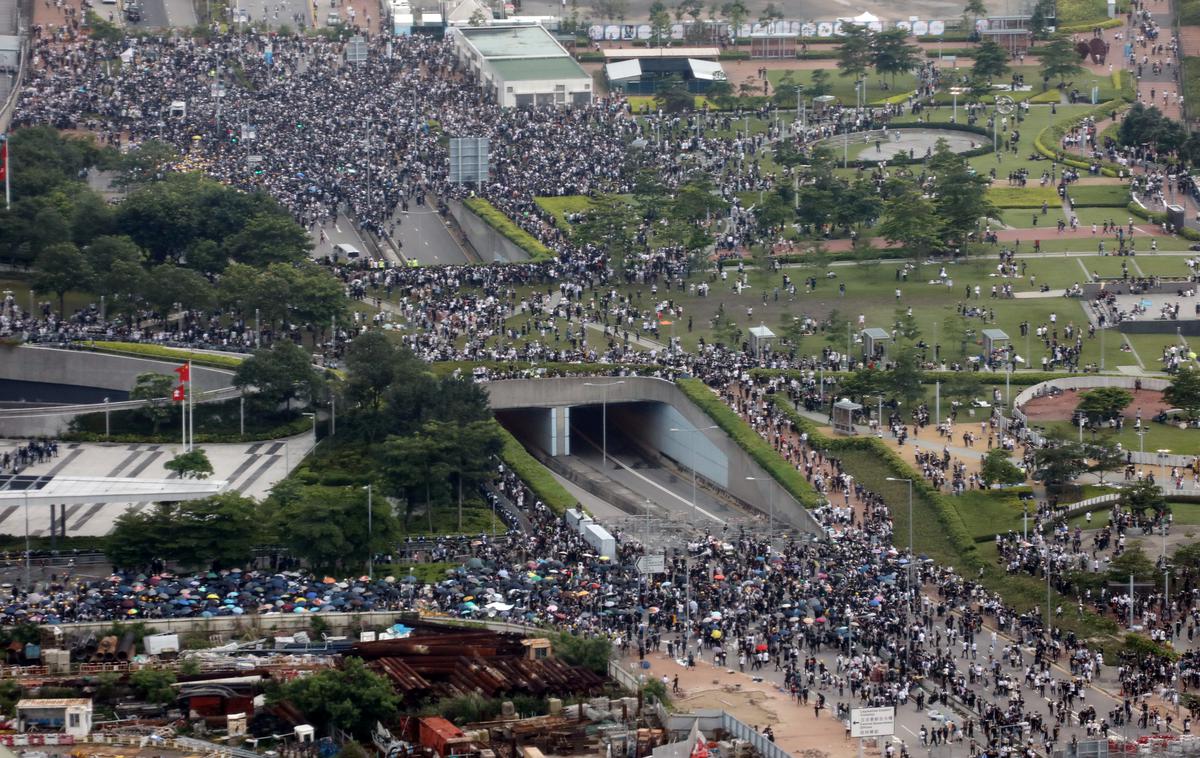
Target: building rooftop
x,y
514,42
533,69
55,702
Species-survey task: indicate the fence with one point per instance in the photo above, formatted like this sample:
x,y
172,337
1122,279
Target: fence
x,y
678,725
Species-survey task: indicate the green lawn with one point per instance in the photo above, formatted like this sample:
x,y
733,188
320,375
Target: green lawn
x,y
1158,436
877,88
991,512
21,293
561,206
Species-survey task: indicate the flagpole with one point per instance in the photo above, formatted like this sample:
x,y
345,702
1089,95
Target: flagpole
x,y
7,186
191,408
183,416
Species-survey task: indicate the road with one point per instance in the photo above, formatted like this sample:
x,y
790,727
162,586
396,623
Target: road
x,y
424,238
292,13
165,14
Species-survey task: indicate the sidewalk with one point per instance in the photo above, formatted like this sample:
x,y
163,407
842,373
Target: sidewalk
x,y
759,704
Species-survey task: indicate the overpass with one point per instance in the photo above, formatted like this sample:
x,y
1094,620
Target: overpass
x,y
639,438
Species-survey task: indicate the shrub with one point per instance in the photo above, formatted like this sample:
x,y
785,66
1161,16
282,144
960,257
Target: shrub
x,y
513,233
534,474
751,442
1029,197
144,350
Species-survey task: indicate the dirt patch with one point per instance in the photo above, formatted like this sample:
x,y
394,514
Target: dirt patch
x,y
1060,408
749,707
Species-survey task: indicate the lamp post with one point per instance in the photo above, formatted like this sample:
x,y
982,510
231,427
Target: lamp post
x,y
370,532
603,419
912,556
28,550
770,502
1162,467
314,419
692,455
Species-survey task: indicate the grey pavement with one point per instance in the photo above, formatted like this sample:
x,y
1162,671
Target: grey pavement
x,y
423,237
250,468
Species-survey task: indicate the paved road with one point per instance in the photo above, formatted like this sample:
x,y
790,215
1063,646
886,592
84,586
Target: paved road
x,y
424,238
291,13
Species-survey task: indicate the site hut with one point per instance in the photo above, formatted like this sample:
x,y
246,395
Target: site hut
x,y
71,716
995,347
843,414
522,66
646,71
1013,33
761,340
875,342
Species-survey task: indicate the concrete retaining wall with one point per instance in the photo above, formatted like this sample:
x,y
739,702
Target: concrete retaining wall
x,y
34,363
490,245
1069,383
571,391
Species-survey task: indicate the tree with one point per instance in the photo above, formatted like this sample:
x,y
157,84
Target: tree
x,y
154,685
737,13
1059,59
854,54
474,447
611,224
193,464
1133,561
155,390
269,239
278,374
991,61
61,268
997,468
1104,455
819,84
960,195
1059,460
660,24
352,698
576,650
911,221
1184,391
217,531
974,10
328,526
144,163
1142,125
1104,403
673,97
891,53
169,286
906,374
1143,496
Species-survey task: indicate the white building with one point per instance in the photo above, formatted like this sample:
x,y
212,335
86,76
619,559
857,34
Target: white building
x,y
522,66
71,716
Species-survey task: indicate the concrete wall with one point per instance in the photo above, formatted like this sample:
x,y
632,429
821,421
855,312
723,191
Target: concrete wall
x,y
32,363
116,372
489,244
571,391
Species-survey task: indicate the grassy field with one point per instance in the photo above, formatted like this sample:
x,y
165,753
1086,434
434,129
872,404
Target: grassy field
x,y
1158,436
877,88
20,289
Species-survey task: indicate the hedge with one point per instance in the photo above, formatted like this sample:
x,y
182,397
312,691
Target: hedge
x,y
1141,645
1031,197
1108,23
145,350
1017,379
492,216
534,474
1048,139
1048,97
1160,218
751,442
948,517
733,55
301,425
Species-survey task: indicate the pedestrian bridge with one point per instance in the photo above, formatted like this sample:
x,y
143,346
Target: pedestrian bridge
x,y
645,417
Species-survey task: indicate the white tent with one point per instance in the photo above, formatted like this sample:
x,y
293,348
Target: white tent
x,y
866,19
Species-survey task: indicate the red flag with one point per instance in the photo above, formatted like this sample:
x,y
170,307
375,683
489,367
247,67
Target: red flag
x,y
184,372
4,159
177,394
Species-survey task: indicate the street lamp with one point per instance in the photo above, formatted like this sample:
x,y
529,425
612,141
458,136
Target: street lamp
x,y
603,419
28,550
770,500
370,533
692,455
314,418
1162,467
912,556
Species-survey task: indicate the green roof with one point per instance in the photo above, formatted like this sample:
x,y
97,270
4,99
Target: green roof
x,y
513,41
563,67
